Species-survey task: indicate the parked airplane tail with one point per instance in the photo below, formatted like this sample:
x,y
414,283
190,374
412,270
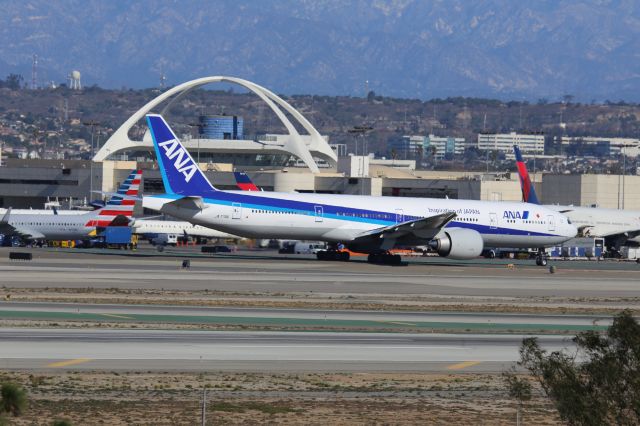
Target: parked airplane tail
x,y
244,182
119,209
528,191
180,174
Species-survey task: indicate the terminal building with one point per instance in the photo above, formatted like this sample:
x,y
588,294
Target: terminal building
x,y
601,146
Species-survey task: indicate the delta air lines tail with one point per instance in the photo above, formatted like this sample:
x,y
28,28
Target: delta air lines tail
x,y
244,182
528,191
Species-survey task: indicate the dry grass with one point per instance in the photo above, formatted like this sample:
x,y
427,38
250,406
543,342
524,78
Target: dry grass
x,y
259,398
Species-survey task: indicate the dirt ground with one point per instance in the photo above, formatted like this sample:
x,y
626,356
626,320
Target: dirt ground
x,y
97,398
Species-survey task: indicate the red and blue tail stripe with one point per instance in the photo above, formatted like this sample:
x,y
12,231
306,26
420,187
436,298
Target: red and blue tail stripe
x,y
244,182
528,191
118,205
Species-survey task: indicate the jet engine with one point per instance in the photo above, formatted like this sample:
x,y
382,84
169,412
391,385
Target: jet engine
x,y
458,243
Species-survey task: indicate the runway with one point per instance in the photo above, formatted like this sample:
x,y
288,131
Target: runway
x,y
307,318
274,275
264,351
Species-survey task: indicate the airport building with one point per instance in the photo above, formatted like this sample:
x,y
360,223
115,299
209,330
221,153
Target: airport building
x,y
602,147
504,142
417,147
221,127
443,146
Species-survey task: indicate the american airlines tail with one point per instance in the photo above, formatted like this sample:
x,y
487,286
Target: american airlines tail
x,y
184,177
528,191
120,205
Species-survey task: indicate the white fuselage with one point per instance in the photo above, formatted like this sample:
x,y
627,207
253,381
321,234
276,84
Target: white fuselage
x,y
157,227
342,218
600,222
52,227
43,211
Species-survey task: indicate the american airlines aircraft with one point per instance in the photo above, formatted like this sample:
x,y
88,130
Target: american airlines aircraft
x,y
617,227
117,211
457,229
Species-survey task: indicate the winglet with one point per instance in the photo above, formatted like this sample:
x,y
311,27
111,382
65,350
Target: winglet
x,y
528,191
180,173
5,218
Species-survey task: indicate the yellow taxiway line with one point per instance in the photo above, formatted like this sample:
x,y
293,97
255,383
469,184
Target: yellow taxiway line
x,y
462,365
68,362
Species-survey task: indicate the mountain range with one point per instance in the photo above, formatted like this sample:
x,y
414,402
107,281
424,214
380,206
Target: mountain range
x,y
504,49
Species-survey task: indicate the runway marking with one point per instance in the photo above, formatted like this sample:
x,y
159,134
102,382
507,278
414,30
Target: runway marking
x,y
396,322
462,365
117,316
68,362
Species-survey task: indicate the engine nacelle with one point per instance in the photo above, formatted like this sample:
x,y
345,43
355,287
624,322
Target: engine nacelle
x,y
458,243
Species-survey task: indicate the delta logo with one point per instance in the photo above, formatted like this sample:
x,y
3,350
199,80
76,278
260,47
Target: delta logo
x,y
181,160
515,214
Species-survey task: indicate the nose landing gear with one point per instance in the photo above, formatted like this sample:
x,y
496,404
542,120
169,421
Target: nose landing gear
x,y
541,258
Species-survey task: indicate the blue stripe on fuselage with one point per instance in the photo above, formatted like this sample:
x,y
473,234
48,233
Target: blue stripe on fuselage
x,y
339,212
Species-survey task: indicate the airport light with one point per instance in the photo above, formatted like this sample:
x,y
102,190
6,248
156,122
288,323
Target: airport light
x,y
623,148
199,126
93,125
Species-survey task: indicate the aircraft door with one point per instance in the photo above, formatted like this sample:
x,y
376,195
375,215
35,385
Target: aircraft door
x,y
551,222
493,221
399,216
236,211
319,213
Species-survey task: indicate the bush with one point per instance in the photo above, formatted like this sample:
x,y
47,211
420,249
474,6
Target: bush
x,y
600,384
13,399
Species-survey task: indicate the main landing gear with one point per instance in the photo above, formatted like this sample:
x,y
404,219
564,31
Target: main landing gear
x,y
541,258
331,254
385,258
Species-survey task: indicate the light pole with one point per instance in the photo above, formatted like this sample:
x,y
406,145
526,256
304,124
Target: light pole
x,y
93,125
624,168
199,126
360,130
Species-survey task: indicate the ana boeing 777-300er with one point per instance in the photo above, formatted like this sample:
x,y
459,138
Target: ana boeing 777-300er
x,y
617,227
458,229
117,211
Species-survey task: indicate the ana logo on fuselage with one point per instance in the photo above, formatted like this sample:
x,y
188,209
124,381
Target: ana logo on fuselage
x,y
182,162
509,214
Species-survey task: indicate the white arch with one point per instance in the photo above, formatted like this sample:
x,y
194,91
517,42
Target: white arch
x,y
295,145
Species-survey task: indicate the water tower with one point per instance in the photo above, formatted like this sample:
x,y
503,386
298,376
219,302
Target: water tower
x,y
74,80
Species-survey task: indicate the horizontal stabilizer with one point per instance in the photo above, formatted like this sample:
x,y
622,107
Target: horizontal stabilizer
x,y
192,203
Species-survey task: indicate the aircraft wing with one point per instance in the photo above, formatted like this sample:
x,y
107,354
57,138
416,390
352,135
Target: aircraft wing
x,y
412,232
7,229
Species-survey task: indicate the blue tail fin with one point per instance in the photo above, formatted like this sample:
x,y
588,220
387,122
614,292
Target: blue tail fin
x,y
180,174
528,191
